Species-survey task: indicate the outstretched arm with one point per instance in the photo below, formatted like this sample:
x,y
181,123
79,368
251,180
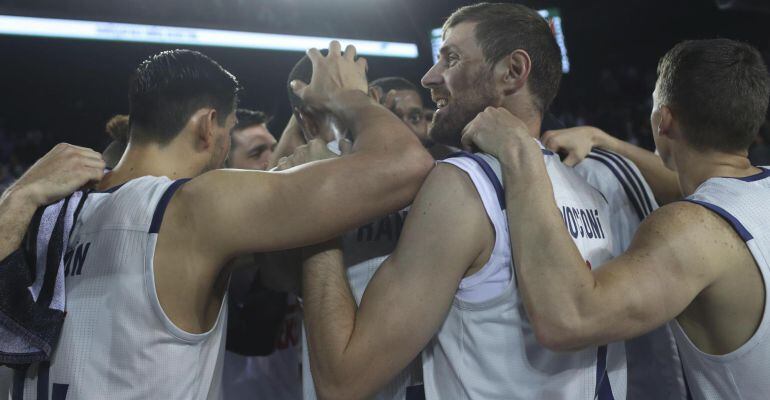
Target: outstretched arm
x,y
354,352
62,171
569,306
577,143
230,212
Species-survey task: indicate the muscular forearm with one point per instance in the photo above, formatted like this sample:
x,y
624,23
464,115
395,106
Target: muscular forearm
x,y
16,211
663,181
329,314
554,279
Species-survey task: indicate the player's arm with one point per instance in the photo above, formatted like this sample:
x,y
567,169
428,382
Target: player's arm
x,y
669,262
59,173
577,143
354,352
230,212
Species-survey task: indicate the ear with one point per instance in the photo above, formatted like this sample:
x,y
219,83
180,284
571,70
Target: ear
x,y
204,127
306,124
375,93
514,71
665,121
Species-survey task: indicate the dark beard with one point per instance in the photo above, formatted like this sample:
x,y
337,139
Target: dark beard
x,y
463,108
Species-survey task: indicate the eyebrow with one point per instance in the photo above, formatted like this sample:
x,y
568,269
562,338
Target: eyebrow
x,y
447,48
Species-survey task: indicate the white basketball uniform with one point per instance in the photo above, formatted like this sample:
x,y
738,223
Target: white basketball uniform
x,y
116,342
654,368
743,374
364,250
486,348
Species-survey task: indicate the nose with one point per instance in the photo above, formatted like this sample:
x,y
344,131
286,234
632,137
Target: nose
x,y
433,77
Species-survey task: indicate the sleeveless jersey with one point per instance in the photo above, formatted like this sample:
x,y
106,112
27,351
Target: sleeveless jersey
x,y
488,350
654,368
116,342
742,374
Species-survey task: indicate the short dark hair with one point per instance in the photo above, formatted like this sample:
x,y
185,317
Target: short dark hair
x,y
389,83
718,90
248,118
167,88
302,71
503,28
117,128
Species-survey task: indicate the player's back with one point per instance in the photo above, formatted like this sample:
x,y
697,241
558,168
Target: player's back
x,y
486,348
742,373
117,343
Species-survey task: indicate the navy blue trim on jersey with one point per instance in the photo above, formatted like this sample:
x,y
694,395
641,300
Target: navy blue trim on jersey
x,y
488,171
547,152
416,392
634,201
632,177
42,380
160,209
110,190
603,387
17,393
59,391
737,225
756,177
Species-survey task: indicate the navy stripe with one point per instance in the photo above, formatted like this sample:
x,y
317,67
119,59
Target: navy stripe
x,y
160,209
56,247
83,196
489,172
416,392
42,380
59,391
18,383
547,152
737,225
629,194
110,190
603,387
752,178
632,178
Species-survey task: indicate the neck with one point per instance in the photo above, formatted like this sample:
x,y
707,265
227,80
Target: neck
x,y
695,167
152,160
527,114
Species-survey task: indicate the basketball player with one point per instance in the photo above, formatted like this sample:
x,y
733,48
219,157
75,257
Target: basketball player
x,y
448,288
252,142
145,316
402,97
366,247
701,263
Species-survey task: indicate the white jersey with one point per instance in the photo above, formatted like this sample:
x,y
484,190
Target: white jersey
x,y
116,342
654,368
488,350
364,251
743,374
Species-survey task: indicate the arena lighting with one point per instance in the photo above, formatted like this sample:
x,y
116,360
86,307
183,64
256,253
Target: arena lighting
x,y
97,30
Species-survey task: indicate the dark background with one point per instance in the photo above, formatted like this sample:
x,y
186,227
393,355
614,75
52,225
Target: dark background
x,y
55,90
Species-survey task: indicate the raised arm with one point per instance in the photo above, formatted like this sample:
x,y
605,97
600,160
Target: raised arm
x,y
63,170
232,212
570,306
354,352
577,143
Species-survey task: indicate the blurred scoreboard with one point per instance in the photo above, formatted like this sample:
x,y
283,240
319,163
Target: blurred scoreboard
x,y
551,15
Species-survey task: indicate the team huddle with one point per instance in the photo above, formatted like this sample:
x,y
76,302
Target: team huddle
x,y
468,263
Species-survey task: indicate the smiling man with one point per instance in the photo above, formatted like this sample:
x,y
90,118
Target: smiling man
x,y
252,143
448,288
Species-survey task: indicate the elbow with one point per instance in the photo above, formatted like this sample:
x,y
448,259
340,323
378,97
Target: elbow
x,y
417,164
567,334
